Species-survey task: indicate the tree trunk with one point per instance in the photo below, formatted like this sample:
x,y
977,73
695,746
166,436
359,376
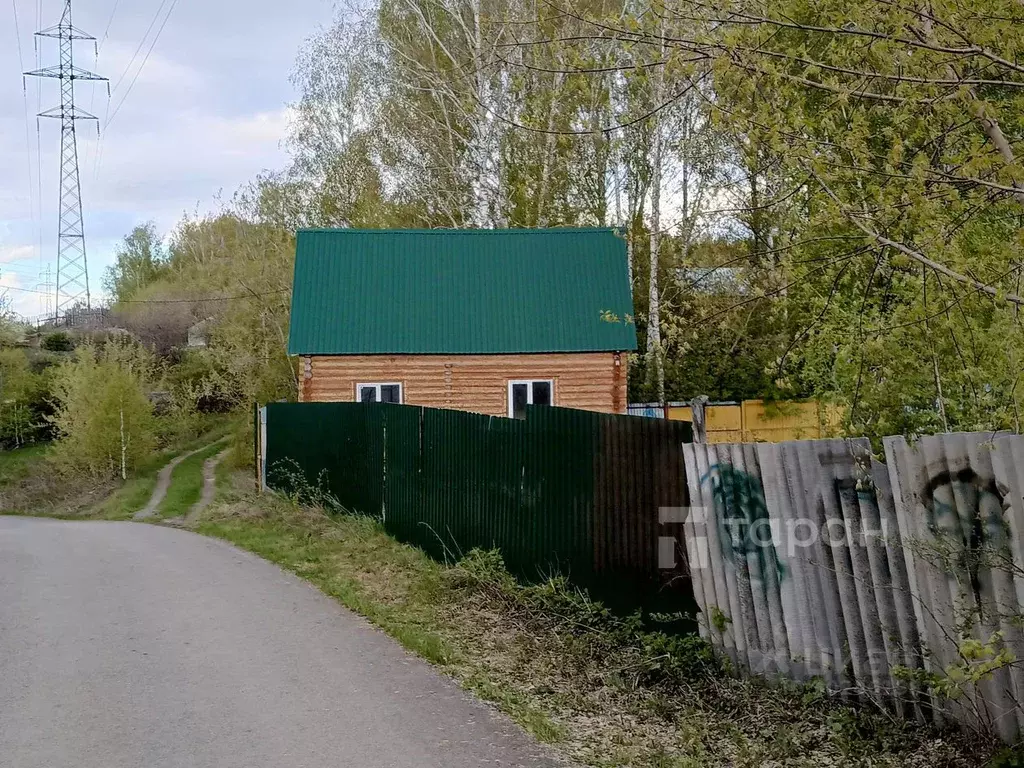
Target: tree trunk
x,y
124,445
543,216
654,350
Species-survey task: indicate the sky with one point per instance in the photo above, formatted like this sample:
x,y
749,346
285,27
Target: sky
x,y
204,113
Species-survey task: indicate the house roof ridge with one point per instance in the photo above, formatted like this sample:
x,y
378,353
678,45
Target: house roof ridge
x,y
449,231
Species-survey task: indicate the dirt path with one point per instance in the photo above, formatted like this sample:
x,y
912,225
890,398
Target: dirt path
x,y
163,482
209,486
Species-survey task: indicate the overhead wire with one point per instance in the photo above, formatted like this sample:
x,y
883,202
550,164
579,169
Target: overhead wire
x,y
28,125
144,61
108,117
110,21
39,139
99,48
142,43
177,301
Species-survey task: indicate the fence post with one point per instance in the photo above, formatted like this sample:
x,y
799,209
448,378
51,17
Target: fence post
x,y
256,449
698,412
263,449
259,439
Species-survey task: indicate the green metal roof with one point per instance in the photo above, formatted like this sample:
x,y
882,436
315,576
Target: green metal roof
x,y
460,292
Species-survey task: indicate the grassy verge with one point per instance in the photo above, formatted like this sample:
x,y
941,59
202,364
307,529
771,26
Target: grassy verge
x,y
29,484
604,691
186,484
17,464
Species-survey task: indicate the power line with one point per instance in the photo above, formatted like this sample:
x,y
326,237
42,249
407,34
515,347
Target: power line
x,y
28,124
106,32
143,65
174,301
99,47
142,42
39,141
108,117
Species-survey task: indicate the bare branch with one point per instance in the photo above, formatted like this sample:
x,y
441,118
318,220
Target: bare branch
x,y
917,256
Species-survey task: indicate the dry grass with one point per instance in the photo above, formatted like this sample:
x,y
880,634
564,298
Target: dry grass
x,y
32,486
604,692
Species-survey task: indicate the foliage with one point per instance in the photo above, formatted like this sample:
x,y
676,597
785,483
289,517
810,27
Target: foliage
x,y
289,477
1011,757
232,271
977,661
661,658
881,193
858,164
23,400
58,341
103,417
239,272
159,321
138,261
197,384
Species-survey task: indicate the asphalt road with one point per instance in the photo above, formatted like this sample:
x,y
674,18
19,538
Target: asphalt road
x,y
135,646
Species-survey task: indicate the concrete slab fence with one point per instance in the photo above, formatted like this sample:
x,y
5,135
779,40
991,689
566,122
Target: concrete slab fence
x,y
899,581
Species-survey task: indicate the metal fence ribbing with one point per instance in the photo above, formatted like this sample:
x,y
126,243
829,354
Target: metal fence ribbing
x,y
565,491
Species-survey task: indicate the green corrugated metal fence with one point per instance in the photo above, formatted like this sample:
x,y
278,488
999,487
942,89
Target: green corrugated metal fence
x,y
564,491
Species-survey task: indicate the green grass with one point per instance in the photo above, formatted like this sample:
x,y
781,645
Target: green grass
x,y
133,495
186,484
564,678
30,486
16,464
128,499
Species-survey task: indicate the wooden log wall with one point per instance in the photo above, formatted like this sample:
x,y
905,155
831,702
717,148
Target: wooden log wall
x,y
593,381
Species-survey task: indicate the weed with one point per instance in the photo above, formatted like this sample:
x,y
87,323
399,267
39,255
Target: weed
x,y
288,479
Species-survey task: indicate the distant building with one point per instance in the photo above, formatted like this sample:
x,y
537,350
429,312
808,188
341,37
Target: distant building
x,y
477,320
715,281
82,318
198,335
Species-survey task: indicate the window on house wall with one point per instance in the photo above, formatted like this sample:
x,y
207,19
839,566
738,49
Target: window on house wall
x,y
524,393
379,393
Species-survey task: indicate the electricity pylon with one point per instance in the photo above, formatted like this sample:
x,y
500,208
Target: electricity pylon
x,y
72,267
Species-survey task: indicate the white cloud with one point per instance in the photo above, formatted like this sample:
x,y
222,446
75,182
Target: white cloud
x,y
13,286
9,253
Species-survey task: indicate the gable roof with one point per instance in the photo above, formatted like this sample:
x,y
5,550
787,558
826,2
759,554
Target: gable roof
x,y
460,292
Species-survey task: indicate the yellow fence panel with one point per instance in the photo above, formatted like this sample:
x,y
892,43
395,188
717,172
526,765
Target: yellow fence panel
x,y
754,421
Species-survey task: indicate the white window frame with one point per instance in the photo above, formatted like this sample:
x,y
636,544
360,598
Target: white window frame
x,y
377,386
529,395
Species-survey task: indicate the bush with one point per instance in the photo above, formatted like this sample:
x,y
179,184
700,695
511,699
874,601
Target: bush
x,y
23,400
103,418
58,342
195,382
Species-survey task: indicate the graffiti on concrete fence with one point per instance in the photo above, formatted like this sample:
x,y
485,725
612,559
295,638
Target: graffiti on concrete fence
x,y
966,512
819,560
744,526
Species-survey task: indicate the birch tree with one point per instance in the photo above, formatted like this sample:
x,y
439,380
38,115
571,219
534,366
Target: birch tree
x,y
102,418
879,145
